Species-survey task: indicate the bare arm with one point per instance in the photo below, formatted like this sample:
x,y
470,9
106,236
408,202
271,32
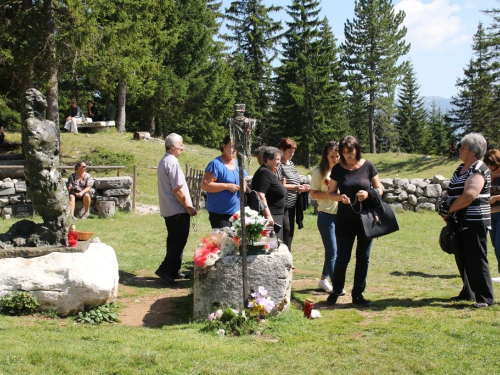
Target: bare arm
x,y
266,211
334,195
473,186
210,185
179,195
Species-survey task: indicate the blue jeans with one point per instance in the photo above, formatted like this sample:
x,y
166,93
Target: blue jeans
x,y
344,250
495,235
326,227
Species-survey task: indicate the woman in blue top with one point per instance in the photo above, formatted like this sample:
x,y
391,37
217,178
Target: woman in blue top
x,y
221,182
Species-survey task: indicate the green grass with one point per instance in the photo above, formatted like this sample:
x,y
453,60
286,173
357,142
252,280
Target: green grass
x,y
412,327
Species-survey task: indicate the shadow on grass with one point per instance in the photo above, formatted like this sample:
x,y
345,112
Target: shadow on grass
x,y
412,165
129,279
169,311
424,275
383,304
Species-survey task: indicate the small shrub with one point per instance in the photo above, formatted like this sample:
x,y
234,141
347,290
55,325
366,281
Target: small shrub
x,y
18,303
99,314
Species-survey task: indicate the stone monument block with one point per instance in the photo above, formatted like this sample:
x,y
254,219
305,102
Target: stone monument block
x,y
64,282
222,285
115,192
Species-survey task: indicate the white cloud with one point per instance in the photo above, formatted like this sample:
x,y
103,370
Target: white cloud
x,y
434,25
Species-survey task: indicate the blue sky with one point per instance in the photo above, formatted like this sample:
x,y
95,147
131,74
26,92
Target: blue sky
x,y
440,33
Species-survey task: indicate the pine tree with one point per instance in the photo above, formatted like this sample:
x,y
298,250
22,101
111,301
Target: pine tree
x,y
255,35
476,107
411,115
440,134
308,97
374,44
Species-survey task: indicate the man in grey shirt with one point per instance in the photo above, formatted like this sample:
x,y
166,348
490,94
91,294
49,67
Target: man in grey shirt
x,y
175,207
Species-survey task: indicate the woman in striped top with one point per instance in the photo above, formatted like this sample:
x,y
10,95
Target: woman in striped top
x,y
288,174
469,191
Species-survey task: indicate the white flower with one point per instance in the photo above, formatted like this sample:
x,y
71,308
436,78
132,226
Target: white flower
x,y
262,291
220,332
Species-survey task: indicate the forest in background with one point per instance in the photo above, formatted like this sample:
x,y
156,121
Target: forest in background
x,y
168,68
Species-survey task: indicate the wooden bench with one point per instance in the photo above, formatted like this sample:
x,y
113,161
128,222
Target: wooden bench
x,y
96,126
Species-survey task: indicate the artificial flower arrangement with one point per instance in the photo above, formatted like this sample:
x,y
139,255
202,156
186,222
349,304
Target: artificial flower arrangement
x,y
255,225
219,243
233,322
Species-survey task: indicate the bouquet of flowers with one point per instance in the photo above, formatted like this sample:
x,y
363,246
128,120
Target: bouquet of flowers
x,y
233,322
254,223
220,243
259,304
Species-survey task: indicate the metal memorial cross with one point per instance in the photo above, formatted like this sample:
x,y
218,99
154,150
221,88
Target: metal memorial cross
x,y
240,131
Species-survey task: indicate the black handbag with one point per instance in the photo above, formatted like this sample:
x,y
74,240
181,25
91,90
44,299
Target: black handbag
x,y
379,219
253,201
448,239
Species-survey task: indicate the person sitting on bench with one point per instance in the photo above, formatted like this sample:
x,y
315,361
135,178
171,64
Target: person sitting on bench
x,y
75,115
80,186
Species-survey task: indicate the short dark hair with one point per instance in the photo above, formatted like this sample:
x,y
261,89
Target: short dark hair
x,y
90,101
287,143
351,144
270,153
259,150
225,141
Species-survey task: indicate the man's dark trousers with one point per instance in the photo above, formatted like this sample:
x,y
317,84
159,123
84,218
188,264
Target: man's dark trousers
x,y
178,233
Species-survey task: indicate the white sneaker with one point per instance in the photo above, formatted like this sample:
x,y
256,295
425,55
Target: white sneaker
x,y
496,279
342,293
325,285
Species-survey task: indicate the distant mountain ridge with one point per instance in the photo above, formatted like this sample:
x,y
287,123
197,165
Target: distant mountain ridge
x,y
443,103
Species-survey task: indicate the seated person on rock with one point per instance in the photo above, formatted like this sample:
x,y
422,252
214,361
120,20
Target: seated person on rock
x,y
92,111
80,186
75,115
109,111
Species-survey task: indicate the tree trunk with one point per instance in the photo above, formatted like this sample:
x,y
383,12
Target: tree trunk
x,y
151,125
52,92
122,99
371,125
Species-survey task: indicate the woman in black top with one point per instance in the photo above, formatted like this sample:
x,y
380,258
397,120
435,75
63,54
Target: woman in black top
x,y
270,189
467,197
353,177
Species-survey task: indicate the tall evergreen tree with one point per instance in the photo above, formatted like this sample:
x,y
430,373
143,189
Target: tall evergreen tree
x,y
374,44
308,97
475,105
255,35
439,134
411,115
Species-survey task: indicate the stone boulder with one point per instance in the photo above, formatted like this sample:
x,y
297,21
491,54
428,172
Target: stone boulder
x,y
64,282
222,285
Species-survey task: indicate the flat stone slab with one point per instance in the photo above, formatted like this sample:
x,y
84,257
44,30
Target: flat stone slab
x,y
32,252
64,282
222,284
124,182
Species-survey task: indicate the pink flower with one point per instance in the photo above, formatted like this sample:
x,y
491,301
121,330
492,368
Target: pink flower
x,y
211,317
218,314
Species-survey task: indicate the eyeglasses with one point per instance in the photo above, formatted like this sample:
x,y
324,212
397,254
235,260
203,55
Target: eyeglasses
x,y
84,166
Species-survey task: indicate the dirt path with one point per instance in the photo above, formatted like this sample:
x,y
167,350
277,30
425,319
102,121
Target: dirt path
x,y
162,307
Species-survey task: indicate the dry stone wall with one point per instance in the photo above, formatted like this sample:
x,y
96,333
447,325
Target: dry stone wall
x,y
15,203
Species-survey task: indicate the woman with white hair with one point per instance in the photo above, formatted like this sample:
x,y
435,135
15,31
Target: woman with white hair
x,y
466,202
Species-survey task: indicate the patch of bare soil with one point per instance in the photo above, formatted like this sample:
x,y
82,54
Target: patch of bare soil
x,y
159,308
